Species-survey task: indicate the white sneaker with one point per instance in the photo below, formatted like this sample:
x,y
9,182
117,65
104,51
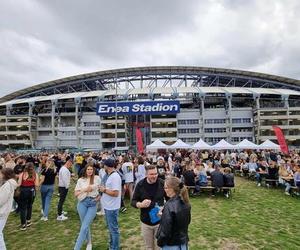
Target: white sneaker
x,y
89,246
61,218
258,184
44,218
100,213
287,193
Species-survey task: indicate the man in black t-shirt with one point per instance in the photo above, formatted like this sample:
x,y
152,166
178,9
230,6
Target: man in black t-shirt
x,y
189,177
149,193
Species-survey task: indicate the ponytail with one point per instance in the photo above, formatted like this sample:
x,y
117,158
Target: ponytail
x,y
179,188
184,194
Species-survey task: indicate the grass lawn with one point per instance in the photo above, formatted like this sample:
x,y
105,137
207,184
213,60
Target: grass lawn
x,y
255,218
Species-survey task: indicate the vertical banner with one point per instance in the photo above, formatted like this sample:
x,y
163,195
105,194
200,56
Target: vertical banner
x,y
281,139
139,140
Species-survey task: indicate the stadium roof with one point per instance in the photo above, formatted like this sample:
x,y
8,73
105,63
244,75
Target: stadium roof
x,y
147,77
159,90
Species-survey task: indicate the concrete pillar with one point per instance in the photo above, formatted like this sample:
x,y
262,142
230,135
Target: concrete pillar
x,y
202,97
31,105
229,117
285,98
8,108
53,106
77,102
256,98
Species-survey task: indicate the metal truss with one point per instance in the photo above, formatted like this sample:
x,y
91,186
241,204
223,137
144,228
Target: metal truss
x,y
152,77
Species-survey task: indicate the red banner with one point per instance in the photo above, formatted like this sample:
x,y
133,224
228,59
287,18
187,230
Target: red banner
x,y
281,139
139,140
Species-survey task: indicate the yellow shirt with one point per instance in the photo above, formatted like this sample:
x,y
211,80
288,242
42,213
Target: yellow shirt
x,y
78,159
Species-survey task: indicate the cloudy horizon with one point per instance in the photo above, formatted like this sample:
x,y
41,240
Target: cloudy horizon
x,y
47,40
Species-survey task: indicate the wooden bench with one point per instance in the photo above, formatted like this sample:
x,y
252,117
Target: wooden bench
x,y
294,191
251,176
191,189
268,181
238,172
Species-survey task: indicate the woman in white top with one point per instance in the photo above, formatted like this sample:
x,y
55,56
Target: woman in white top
x,y
127,169
86,191
140,173
6,198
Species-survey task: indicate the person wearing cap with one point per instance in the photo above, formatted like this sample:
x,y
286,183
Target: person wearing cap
x,y
64,178
111,200
161,167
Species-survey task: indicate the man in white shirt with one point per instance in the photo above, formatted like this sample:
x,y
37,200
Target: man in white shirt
x,y
64,178
111,200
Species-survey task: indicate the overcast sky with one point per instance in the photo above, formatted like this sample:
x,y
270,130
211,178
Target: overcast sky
x,y
43,40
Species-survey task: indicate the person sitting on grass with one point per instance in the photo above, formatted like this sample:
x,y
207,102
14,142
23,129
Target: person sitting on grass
x,y
228,180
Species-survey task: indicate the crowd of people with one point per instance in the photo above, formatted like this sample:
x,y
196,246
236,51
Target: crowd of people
x,y
155,182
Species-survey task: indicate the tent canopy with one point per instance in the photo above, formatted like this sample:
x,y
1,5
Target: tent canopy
x,y
157,144
269,145
245,144
222,145
201,145
180,144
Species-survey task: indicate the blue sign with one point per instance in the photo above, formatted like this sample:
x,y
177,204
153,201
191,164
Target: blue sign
x,y
138,108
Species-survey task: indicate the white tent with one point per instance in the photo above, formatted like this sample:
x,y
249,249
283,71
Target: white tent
x,y
202,145
157,144
245,144
269,145
180,144
222,145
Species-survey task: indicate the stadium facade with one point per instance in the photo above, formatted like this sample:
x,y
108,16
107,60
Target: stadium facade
x,y
215,104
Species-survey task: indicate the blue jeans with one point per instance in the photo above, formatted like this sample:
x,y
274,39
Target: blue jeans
x,y
87,211
77,167
2,224
111,217
46,193
177,247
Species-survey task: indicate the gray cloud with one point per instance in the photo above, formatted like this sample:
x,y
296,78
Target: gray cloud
x,y
46,40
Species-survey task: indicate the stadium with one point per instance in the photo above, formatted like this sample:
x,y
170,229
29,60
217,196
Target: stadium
x,y
213,104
